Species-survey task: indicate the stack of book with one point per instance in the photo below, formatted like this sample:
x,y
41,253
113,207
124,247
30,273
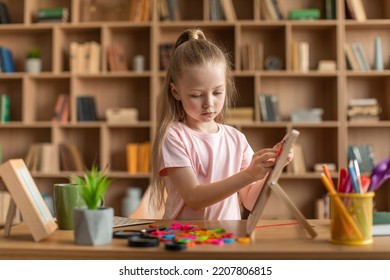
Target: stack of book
x,y
52,15
241,114
85,57
300,58
62,108
271,10
117,58
363,109
139,10
252,56
138,157
169,10
356,58
307,115
70,158
40,157
86,108
269,107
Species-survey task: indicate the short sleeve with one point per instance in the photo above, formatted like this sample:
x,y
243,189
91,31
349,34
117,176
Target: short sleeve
x,y
174,152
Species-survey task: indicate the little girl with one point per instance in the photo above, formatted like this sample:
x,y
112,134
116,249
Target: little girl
x,y
202,169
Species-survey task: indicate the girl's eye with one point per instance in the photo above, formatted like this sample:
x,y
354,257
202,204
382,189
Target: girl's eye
x,y
196,95
218,92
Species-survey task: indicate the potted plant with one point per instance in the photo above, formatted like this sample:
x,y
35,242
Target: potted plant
x,y
33,61
93,223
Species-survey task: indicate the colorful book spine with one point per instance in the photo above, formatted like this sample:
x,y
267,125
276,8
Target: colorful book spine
x,y
305,14
7,62
5,108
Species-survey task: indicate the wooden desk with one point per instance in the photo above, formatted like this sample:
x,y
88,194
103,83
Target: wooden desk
x,y
276,242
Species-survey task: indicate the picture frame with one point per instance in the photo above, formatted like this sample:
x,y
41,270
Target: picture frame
x,y
26,197
271,184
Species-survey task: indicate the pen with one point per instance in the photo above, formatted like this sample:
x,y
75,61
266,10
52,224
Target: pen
x,y
358,176
352,175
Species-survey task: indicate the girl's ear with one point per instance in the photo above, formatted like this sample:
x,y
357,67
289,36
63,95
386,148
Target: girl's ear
x,y
174,91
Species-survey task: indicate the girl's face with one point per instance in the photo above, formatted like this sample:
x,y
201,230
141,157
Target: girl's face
x,y
202,92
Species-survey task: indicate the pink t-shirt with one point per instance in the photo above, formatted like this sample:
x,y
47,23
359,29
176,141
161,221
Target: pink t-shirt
x,y
213,157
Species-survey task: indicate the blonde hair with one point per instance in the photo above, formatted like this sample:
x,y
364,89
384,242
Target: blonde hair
x,y
192,49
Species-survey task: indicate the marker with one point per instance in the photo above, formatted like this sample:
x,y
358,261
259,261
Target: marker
x,y
352,174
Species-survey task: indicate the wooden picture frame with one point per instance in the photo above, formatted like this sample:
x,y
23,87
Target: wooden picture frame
x,y
27,198
271,183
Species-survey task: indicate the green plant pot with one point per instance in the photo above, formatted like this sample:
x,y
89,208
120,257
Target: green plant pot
x,y
93,227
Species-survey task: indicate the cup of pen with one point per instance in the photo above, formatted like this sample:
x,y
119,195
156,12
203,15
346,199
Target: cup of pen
x,y
351,218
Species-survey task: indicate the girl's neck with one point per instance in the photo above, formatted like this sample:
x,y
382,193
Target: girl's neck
x,y
204,127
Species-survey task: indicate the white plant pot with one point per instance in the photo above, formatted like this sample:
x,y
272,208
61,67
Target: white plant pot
x,y
33,65
93,227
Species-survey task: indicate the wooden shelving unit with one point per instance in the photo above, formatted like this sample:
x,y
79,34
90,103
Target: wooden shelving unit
x,y
33,95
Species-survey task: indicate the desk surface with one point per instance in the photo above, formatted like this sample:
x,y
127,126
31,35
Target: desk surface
x,y
270,242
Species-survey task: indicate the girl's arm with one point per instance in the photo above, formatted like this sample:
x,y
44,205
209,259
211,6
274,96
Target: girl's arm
x,y
198,196
249,194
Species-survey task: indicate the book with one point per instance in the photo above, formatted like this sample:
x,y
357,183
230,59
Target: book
x,y
132,157
228,9
278,9
241,113
52,15
330,9
303,57
270,10
4,14
136,10
380,223
162,8
86,108
351,57
298,164
304,14
71,158
294,56
5,108
269,107
117,58
7,60
349,10
361,57
326,65
378,55
94,58
358,8
165,55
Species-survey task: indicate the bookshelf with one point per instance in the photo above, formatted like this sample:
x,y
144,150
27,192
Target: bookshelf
x,y
33,96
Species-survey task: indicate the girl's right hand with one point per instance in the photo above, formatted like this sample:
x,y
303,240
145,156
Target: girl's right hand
x,y
262,163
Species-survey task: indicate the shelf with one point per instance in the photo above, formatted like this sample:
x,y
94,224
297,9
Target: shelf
x,y
33,96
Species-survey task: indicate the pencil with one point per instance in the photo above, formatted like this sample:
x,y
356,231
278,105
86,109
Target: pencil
x,y
327,173
339,204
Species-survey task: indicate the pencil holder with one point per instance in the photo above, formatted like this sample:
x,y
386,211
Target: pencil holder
x,y
351,218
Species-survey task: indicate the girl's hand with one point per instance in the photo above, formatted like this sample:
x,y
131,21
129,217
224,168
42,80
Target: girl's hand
x,y
264,160
290,154
262,163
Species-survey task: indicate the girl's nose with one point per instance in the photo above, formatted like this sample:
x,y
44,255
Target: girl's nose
x,y
207,101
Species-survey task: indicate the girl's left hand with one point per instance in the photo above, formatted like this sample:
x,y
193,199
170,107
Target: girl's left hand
x,y
290,155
